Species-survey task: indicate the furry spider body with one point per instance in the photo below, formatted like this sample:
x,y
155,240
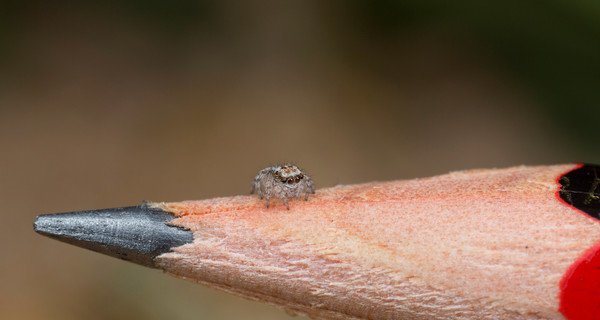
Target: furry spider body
x,y
282,182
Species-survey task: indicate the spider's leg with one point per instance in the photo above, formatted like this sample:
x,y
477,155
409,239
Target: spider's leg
x,y
311,186
285,201
268,201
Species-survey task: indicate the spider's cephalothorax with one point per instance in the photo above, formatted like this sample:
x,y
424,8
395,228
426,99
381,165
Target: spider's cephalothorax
x,y
282,182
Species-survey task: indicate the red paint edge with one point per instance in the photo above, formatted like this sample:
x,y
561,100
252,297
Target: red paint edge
x,y
580,285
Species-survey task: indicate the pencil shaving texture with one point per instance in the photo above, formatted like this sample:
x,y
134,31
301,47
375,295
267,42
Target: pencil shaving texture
x,y
487,244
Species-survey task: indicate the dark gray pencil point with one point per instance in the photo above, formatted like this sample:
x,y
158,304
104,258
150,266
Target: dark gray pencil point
x,y
137,234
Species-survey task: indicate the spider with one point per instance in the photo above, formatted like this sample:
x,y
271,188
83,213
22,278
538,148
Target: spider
x,y
283,182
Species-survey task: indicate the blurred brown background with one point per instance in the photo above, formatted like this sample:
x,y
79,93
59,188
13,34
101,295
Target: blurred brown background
x,y
107,103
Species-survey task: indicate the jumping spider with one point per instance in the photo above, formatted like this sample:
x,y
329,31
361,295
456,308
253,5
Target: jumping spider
x,y
282,182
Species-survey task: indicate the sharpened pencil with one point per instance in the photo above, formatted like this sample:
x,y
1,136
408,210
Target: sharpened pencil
x,y
515,243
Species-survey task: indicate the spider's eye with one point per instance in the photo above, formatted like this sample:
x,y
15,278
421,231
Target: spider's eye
x,y
290,181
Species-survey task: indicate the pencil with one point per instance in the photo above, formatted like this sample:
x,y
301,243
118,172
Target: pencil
x,y
515,243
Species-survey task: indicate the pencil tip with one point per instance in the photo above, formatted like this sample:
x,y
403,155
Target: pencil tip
x,y
137,234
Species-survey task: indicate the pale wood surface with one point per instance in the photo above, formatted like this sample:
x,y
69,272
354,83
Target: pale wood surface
x,y
481,244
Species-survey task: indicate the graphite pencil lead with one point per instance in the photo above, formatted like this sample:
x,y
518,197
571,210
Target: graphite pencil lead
x,y
137,234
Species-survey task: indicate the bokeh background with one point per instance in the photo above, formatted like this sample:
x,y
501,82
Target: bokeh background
x,y
108,103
